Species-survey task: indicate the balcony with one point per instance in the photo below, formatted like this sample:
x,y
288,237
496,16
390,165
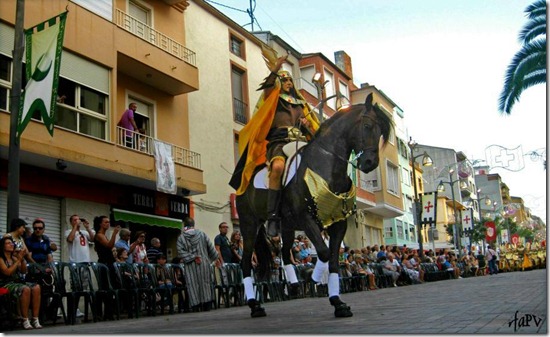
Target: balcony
x,y
110,161
239,111
154,58
146,144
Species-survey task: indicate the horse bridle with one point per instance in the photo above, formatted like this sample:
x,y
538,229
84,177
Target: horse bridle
x,y
353,161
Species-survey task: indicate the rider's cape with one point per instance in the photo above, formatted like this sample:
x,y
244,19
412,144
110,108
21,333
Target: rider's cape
x,y
252,138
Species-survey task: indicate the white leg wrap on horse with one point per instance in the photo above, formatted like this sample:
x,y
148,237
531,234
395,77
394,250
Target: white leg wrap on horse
x,y
290,273
333,285
249,288
320,268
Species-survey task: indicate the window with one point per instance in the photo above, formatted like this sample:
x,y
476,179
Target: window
x,y
236,46
305,81
399,225
330,89
81,109
5,81
369,182
392,178
240,107
143,115
388,232
406,176
141,22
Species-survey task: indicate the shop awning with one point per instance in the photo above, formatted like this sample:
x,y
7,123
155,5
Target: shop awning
x,y
148,219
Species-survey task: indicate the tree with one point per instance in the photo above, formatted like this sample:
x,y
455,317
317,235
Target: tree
x,y
528,66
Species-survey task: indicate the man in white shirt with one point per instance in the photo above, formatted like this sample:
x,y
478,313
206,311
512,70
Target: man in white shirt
x,y
79,239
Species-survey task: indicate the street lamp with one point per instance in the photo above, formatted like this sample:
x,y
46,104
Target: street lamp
x,y
441,188
488,203
426,161
342,101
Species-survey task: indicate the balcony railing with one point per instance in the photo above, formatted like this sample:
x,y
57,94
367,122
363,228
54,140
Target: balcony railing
x,y
146,144
154,37
239,111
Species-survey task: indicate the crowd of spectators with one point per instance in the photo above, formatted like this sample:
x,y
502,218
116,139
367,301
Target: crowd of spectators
x,y
368,268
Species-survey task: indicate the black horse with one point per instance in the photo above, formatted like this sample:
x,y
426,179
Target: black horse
x,y
323,162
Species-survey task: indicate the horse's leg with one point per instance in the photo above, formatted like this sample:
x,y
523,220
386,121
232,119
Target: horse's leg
x,y
336,232
290,272
323,253
249,231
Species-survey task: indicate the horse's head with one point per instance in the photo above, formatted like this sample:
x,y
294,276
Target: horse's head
x,y
374,124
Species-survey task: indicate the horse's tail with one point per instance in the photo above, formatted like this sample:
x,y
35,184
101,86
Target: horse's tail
x,y
263,254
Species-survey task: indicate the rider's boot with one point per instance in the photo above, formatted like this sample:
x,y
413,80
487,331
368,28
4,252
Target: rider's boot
x,y
273,218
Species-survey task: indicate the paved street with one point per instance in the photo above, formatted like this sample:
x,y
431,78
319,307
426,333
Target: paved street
x,y
506,303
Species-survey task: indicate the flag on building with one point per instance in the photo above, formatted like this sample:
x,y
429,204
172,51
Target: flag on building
x,y
510,159
468,219
166,170
44,44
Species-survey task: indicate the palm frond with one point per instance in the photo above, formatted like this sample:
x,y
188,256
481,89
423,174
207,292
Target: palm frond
x,y
532,29
538,8
528,66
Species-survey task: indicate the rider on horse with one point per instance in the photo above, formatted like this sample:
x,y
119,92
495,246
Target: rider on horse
x,y
281,115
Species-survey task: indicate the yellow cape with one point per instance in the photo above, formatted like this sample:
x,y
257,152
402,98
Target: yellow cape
x,y
252,137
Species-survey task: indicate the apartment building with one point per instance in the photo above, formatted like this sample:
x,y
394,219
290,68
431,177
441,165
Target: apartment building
x,y
114,53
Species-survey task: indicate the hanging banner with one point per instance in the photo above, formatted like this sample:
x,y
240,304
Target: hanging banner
x,y
44,44
429,202
490,233
166,170
468,219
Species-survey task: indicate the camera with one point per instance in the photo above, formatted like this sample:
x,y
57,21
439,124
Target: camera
x,y
83,220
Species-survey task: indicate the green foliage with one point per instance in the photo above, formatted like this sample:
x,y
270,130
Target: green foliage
x,y
528,66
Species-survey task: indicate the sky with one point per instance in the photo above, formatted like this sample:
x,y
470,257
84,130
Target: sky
x,y
441,62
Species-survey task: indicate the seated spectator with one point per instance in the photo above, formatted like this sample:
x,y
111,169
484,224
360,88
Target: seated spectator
x,y
154,251
295,253
410,269
12,264
443,264
359,267
123,242
164,278
392,268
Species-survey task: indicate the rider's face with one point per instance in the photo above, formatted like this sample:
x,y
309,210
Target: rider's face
x,y
287,84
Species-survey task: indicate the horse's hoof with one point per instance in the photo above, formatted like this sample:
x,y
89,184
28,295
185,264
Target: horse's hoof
x,y
342,310
256,309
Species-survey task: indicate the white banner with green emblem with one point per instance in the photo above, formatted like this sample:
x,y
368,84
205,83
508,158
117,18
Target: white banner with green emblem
x,y
43,43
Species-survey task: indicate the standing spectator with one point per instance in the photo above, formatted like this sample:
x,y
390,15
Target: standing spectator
x,y
12,264
491,257
103,245
236,247
198,253
123,242
222,244
154,251
128,122
39,244
79,249
18,228
140,252
79,239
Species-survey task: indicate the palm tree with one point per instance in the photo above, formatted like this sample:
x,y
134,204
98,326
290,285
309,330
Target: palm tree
x,y
528,67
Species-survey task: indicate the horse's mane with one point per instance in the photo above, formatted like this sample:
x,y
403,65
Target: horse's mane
x,y
384,121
